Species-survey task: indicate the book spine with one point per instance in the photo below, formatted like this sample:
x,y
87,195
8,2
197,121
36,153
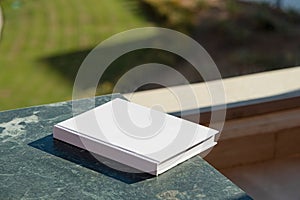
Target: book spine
x,y
111,152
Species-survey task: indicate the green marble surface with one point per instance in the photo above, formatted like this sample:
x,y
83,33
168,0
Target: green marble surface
x,y
34,166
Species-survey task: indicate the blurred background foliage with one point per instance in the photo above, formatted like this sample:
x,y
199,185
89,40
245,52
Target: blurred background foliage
x,y
44,42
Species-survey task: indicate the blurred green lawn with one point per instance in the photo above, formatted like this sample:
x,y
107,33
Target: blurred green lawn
x,y
45,41
35,29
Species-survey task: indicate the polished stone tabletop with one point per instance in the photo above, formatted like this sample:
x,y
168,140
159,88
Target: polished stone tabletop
x,y
35,166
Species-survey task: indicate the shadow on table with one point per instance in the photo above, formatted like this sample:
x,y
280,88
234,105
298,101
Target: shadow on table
x,y
86,159
243,197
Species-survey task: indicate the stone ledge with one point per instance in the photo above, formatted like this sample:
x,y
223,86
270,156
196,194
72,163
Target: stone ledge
x,y
262,121
246,96
255,139
240,91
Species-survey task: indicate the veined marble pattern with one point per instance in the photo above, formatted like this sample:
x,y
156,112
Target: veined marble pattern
x,y
34,166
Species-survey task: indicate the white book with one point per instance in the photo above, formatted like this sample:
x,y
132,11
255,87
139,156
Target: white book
x,y
137,136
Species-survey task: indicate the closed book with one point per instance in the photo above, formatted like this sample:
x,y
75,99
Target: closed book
x,y
139,137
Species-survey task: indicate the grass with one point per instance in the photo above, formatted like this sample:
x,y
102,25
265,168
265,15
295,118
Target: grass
x,y
36,29
45,41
